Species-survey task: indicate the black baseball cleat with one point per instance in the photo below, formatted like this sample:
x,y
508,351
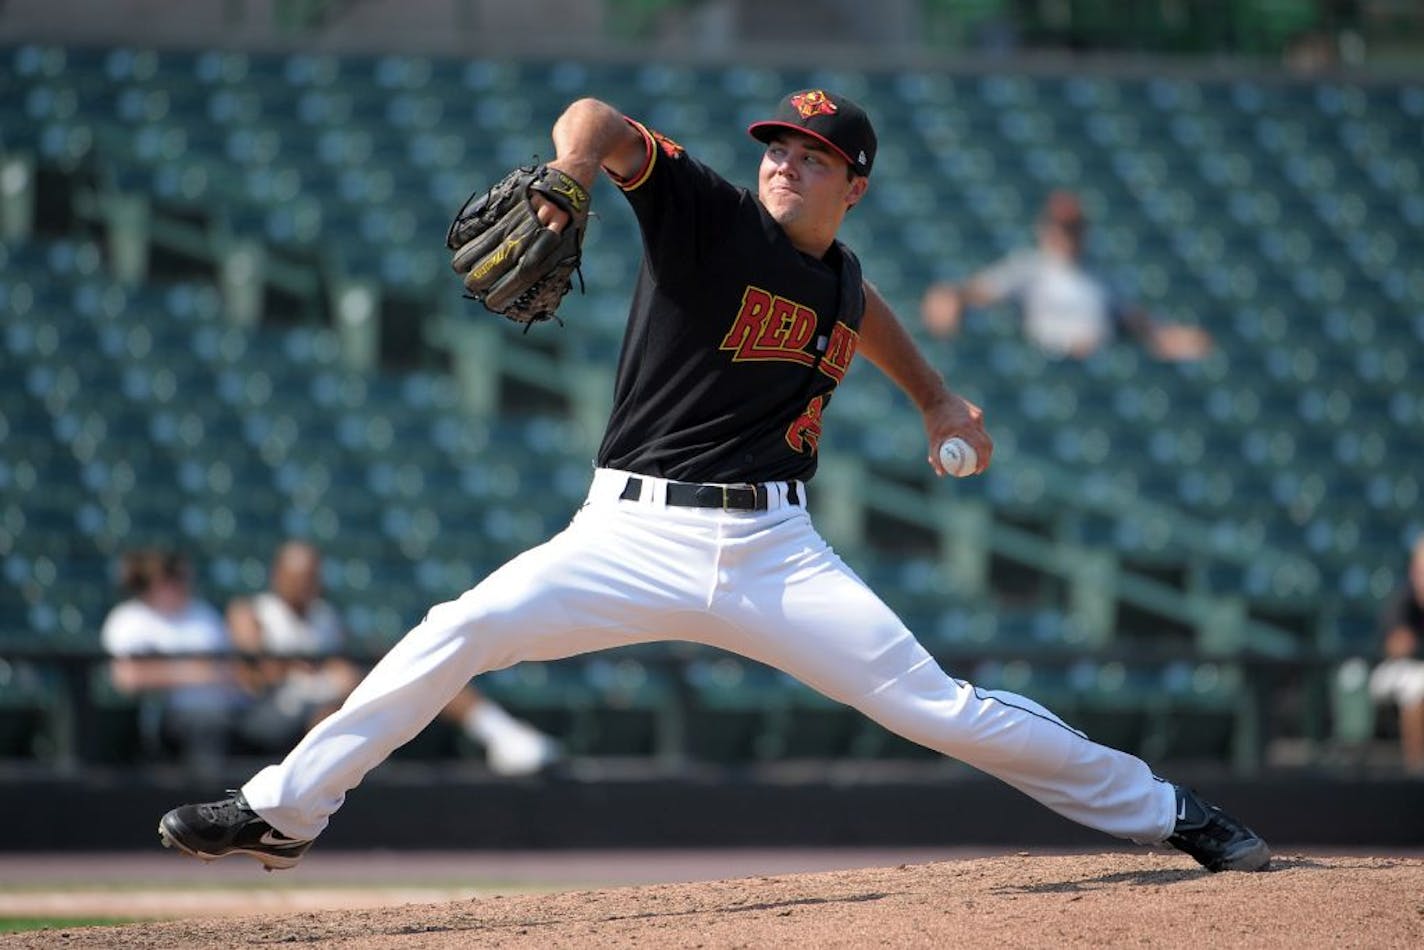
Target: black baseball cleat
x,y
1217,840
217,829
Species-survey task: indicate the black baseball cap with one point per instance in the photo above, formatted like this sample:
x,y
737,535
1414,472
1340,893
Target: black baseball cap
x,y
833,119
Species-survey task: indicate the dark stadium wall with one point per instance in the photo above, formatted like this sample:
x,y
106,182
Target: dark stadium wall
x,y
416,811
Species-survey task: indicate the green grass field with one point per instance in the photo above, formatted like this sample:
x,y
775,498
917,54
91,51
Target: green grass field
x,y
13,925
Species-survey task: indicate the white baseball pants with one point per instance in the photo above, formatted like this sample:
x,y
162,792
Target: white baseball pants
x,y
761,584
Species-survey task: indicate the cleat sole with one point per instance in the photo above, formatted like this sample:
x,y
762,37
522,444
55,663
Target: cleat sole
x,y
269,862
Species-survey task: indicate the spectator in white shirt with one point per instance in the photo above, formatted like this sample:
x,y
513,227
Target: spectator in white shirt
x,y
192,697
1067,310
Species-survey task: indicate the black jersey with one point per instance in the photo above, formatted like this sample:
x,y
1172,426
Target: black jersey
x,y
735,341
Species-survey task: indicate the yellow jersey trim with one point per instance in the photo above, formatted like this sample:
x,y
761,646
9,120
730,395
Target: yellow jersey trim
x,y
649,160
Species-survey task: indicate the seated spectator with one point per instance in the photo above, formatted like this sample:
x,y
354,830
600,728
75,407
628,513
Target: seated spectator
x,y
195,696
1400,677
1067,310
299,677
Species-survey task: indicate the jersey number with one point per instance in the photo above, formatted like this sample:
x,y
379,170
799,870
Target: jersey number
x,y
804,435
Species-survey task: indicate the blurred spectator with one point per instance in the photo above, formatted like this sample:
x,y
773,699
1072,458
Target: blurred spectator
x,y
1400,677
190,701
1311,52
1067,310
299,677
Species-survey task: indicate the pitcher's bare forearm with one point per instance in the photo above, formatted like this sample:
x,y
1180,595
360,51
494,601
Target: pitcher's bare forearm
x,y
591,135
886,343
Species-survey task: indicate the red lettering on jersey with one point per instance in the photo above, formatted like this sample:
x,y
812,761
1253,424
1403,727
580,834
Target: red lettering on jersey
x,y
839,352
804,435
755,303
773,332
768,327
802,327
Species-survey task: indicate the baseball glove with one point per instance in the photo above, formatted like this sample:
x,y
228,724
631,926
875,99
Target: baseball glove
x,y
510,262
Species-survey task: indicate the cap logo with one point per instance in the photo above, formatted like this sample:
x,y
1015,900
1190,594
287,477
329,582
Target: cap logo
x,y
813,102
860,159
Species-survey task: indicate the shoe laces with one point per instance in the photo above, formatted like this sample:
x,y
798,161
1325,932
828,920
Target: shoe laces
x,y
1218,827
229,811
1214,827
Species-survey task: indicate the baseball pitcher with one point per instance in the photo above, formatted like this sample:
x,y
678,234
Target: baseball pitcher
x,y
746,316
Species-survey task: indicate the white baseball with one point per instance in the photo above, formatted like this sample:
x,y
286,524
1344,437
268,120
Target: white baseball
x,y
958,457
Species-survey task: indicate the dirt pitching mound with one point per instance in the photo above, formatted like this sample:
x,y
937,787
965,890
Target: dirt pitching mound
x,y
1160,900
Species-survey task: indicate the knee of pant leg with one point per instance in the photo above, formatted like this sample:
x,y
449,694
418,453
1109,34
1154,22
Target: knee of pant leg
x,y
481,618
1025,705
979,726
926,707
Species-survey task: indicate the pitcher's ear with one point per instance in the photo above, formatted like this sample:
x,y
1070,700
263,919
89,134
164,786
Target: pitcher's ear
x,y
856,191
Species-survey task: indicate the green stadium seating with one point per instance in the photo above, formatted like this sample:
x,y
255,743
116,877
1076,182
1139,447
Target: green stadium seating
x,y
1282,214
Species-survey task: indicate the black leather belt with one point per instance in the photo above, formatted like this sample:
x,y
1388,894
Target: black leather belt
x,y
726,497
